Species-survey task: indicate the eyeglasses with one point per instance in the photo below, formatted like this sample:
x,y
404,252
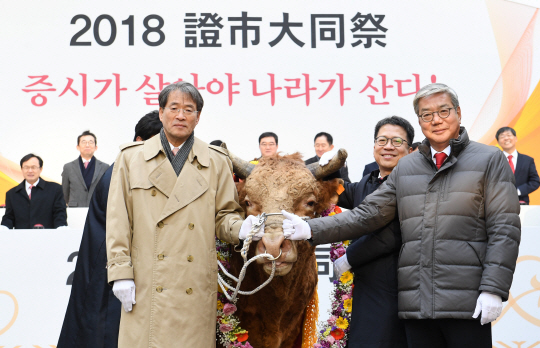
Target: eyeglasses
x,y
27,168
89,142
268,144
396,142
428,116
187,112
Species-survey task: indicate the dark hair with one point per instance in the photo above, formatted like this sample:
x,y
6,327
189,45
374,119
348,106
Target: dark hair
x,y
86,132
31,155
415,145
148,126
397,121
216,143
504,129
324,134
268,134
184,87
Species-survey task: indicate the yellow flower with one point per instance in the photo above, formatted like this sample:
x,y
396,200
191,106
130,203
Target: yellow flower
x,y
347,277
219,305
327,332
346,243
348,305
342,323
332,214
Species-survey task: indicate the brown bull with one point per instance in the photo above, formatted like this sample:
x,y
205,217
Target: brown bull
x,y
274,315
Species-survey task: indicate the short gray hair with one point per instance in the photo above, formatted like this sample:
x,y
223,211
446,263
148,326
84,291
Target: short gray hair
x,y
435,88
184,87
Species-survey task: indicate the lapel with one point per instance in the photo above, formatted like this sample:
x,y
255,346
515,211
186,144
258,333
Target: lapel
x,y
185,188
520,165
21,189
97,171
77,169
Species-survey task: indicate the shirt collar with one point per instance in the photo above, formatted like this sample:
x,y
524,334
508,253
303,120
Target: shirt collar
x,y
179,147
514,154
446,151
27,185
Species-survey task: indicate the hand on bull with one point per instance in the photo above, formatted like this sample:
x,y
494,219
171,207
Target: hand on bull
x,y
294,228
341,265
490,305
246,227
327,156
124,290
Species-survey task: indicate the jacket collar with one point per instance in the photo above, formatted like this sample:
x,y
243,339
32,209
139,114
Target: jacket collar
x,y
456,145
22,185
153,146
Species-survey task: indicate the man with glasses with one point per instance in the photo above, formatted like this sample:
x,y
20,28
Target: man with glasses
x,y
80,177
373,257
34,203
458,210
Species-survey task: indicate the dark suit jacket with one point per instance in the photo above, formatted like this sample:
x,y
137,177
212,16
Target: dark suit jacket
x,y
527,180
47,206
373,258
343,173
93,313
76,193
369,168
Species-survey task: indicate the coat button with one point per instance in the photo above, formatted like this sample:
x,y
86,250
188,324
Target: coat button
x,y
159,289
190,258
161,257
191,226
160,224
154,193
189,291
199,166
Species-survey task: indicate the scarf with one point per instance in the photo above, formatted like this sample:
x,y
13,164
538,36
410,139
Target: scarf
x,y
177,161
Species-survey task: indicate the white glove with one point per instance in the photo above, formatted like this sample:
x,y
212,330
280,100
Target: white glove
x,y
246,228
294,228
2,227
490,305
327,156
124,290
341,265
62,228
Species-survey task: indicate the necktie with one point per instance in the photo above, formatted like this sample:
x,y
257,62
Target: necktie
x,y
511,163
439,159
30,193
175,150
86,165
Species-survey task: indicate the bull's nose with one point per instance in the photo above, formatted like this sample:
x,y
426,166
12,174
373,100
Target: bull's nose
x,y
273,243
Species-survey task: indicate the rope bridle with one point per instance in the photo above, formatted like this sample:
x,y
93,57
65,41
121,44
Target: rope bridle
x,y
247,242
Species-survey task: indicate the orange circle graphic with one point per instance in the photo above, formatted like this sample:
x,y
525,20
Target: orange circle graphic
x,y
15,312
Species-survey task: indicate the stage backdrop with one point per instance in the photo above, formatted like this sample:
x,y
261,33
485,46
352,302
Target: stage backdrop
x,y
292,67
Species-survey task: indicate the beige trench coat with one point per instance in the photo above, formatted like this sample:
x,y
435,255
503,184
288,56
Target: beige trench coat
x,y
160,232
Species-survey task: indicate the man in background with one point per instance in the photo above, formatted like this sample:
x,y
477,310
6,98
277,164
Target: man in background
x,y
93,313
323,144
527,180
268,145
80,177
34,203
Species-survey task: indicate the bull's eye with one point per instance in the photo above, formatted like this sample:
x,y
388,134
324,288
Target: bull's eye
x,y
311,203
248,203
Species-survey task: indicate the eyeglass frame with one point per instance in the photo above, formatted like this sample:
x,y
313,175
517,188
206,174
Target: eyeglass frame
x,y
387,139
195,112
438,114
27,168
89,142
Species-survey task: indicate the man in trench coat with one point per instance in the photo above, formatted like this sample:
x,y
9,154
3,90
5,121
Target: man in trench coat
x,y
168,199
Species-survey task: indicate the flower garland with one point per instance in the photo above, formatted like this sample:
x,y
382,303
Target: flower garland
x,y
335,331
229,332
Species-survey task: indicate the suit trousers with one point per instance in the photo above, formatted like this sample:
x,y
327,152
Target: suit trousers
x,y
447,333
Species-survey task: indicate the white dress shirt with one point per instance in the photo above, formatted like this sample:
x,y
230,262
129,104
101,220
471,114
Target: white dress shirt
x,y
179,147
514,162
28,190
447,151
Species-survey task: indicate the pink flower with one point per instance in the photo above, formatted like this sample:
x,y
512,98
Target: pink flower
x,y
332,320
330,339
225,327
317,345
229,309
340,251
345,297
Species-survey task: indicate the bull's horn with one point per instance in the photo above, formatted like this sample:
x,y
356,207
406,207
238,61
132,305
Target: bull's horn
x,y
241,168
334,165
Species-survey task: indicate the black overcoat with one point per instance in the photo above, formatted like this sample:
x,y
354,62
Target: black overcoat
x,y
47,206
93,314
373,258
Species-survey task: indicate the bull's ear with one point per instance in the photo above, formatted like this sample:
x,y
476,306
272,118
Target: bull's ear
x,y
329,192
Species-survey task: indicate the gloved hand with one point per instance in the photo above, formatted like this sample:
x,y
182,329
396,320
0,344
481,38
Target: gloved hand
x,y
294,228
124,290
327,156
62,228
490,305
341,265
246,228
2,227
